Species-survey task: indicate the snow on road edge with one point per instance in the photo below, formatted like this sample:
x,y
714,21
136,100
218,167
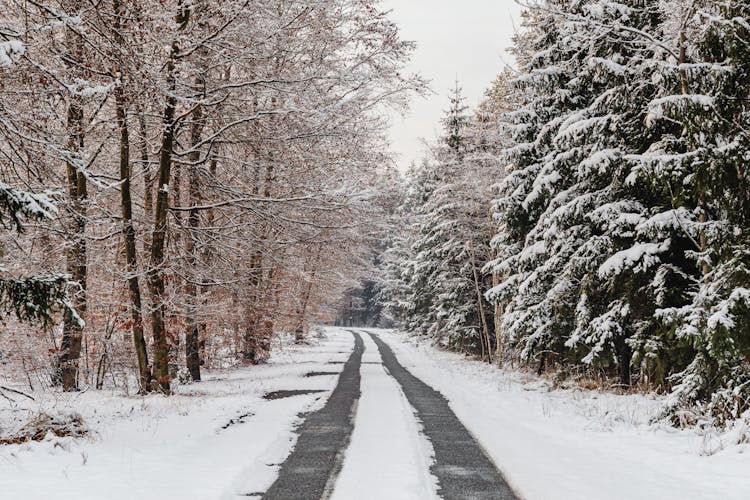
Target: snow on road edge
x,y
174,447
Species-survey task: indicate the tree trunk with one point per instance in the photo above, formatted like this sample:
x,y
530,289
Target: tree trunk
x,y
299,332
207,254
159,233
497,319
192,341
156,278
128,229
148,176
485,332
624,355
497,310
257,327
70,347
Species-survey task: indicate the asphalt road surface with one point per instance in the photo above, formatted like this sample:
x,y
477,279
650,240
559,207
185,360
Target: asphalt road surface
x,y
461,466
311,469
463,469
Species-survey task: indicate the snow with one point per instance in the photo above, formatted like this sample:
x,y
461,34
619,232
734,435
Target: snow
x,y
639,257
219,439
599,9
609,64
577,126
723,316
542,183
619,215
172,447
657,107
31,204
600,161
678,218
533,251
9,51
85,89
388,456
69,307
61,20
539,74
576,444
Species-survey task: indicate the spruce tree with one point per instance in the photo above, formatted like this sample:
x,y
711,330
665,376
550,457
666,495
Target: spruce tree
x,y
37,298
623,243
548,61
704,163
600,270
436,286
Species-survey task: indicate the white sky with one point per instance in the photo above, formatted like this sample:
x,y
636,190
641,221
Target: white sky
x,y
464,39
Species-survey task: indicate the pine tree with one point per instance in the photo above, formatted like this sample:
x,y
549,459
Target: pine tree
x,y
548,61
599,270
622,244
704,164
436,286
31,299
442,249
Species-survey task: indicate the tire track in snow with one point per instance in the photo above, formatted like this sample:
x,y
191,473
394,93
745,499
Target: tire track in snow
x,y
310,470
463,469
389,456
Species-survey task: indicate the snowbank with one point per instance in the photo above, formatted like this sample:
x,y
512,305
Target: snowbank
x,y
10,51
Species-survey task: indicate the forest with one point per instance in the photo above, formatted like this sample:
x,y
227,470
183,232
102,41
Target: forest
x,y
590,219
221,278
184,182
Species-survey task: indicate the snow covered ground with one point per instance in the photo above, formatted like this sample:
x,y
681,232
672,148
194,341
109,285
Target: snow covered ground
x,y
175,447
580,444
220,439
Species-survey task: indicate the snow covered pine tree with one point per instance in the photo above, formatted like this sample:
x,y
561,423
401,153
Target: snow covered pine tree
x,y
623,246
34,298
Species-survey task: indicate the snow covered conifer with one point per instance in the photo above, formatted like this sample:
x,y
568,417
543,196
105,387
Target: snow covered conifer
x,y
436,287
29,298
549,58
623,240
705,165
597,269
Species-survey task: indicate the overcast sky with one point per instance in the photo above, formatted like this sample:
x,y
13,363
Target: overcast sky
x,y
464,39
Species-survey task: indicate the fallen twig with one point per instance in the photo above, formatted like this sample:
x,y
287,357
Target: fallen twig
x,y
20,393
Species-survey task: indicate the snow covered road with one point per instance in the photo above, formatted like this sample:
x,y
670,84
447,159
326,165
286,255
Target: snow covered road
x,y
395,437
390,456
461,465
313,465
